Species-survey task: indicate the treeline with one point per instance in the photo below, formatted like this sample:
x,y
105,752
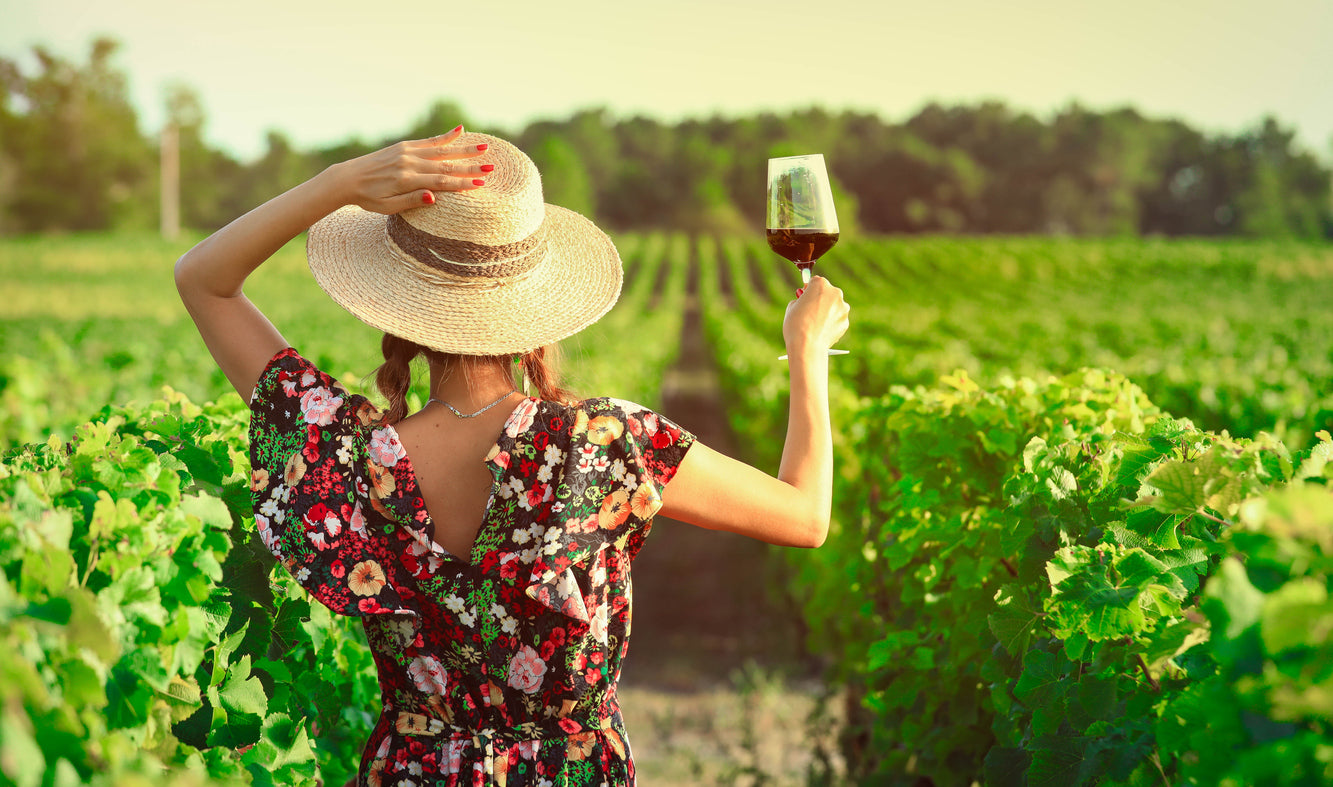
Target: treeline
x,y
73,157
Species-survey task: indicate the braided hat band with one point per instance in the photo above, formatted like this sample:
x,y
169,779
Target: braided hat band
x,y
492,271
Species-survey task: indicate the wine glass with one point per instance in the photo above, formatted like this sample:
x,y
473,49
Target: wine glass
x,y
802,223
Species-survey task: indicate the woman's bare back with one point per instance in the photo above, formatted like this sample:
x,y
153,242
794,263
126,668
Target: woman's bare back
x,y
448,456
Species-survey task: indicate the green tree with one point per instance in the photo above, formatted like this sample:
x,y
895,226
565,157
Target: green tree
x,y
565,180
440,117
77,159
1285,192
280,168
1099,162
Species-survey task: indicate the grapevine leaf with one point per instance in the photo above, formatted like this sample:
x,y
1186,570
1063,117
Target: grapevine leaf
x,y
1171,640
191,648
1096,696
216,616
1014,621
1231,602
1056,761
278,670
45,572
1086,597
881,653
1138,455
1299,701
203,466
1113,612
55,610
146,665
1035,448
1187,564
210,510
1061,483
82,686
134,594
1041,681
1314,465
1123,536
1181,486
1297,615
291,744
89,629
1006,767
183,697
222,656
241,692
1202,723
21,756
39,525
1138,568
128,696
1076,645
1158,529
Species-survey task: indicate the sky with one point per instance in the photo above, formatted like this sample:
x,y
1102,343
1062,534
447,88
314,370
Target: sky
x,y
322,72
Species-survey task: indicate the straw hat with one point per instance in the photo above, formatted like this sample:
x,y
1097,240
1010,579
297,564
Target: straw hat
x,y
492,271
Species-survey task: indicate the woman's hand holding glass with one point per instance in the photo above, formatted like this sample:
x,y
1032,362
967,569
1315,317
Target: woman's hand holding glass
x,y
815,320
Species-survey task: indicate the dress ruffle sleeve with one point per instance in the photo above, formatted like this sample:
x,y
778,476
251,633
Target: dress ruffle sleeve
x,y
620,456
309,459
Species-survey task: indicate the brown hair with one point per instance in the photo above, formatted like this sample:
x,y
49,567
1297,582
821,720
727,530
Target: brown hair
x,y
394,377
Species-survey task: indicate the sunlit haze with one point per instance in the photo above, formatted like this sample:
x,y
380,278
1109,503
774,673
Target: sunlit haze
x,y
324,71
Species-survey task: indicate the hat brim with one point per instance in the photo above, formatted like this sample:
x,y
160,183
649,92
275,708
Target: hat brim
x,y
575,284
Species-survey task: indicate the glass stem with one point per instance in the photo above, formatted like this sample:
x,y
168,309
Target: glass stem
x,y
805,276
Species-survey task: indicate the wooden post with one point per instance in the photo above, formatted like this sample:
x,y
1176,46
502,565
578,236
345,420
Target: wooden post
x,y
171,182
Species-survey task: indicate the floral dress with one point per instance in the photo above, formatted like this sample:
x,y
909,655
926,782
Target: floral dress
x,y
497,668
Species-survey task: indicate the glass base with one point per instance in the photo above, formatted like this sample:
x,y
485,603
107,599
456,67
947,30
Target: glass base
x,y
830,352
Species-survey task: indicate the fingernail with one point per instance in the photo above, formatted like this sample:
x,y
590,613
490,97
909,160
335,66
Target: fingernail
x,y
479,182
457,129
800,292
482,146
428,198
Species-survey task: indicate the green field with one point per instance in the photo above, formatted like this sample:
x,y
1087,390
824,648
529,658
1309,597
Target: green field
x,y
1234,335
1038,572
90,321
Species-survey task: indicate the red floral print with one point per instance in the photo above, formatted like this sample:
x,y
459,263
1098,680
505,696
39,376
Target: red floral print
x,y
501,665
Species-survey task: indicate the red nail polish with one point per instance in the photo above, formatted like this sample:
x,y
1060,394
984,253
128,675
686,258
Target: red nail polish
x,y
487,167
479,182
482,146
428,198
457,129
800,292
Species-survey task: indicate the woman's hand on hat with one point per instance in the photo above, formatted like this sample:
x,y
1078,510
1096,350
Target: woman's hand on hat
x,y
406,174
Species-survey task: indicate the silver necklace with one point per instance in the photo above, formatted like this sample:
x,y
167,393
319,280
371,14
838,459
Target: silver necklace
x,y
454,410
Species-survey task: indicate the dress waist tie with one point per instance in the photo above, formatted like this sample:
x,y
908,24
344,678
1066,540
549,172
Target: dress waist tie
x,y
484,740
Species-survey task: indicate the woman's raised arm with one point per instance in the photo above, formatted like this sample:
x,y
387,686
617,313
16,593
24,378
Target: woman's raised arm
x,y
717,492
210,276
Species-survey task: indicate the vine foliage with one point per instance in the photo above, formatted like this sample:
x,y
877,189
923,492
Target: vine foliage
x,y
1054,583
145,630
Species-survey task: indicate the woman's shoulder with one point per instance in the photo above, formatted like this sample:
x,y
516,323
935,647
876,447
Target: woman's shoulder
x,y
606,421
601,405
580,413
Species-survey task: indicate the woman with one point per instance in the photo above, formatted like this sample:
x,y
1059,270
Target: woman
x,y
485,540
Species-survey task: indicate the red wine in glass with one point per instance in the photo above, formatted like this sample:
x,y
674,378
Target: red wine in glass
x,y
801,246
802,223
